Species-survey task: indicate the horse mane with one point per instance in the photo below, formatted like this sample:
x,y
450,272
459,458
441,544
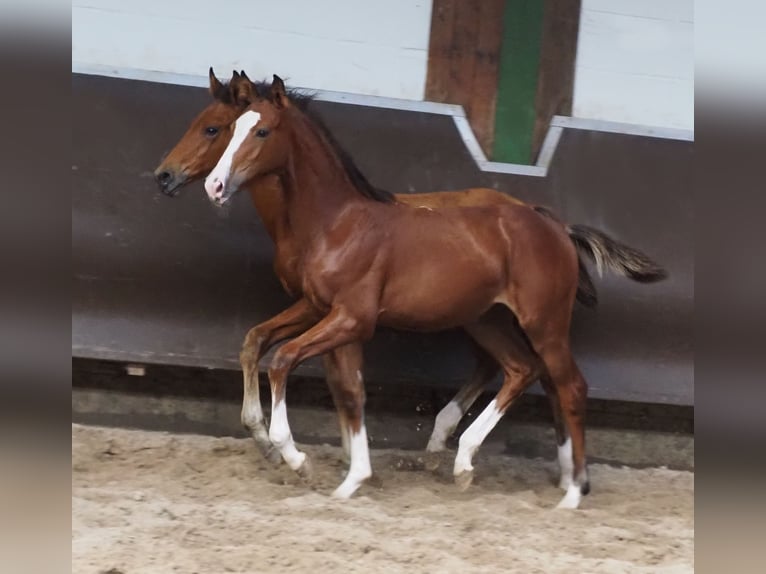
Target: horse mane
x,y
302,101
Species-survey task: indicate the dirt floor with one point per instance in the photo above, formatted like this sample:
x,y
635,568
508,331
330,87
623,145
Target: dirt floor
x,y
146,502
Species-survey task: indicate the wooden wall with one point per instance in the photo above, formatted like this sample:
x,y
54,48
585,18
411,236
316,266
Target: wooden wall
x,y
635,62
463,59
373,47
510,63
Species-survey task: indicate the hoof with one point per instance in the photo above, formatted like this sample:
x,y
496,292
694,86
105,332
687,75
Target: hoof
x,y
375,481
343,492
268,450
262,442
571,499
464,480
347,488
273,456
306,471
432,461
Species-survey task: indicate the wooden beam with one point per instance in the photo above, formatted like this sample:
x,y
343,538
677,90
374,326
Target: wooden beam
x,y
555,82
483,101
463,59
440,49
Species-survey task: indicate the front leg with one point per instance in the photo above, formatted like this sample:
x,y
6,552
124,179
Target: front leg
x,y
296,319
340,327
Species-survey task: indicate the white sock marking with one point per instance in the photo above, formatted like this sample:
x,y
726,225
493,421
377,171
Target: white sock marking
x,y
252,417
222,171
566,464
474,435
282,438
444,425
252,412
360,469
572,498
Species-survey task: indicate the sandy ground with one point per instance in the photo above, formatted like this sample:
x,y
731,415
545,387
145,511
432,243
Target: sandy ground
x,y
146,502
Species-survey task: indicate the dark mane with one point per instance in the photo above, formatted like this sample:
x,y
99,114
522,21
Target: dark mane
x,y
298,97
302,101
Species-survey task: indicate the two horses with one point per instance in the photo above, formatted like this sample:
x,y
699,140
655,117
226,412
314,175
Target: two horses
x,y
504,271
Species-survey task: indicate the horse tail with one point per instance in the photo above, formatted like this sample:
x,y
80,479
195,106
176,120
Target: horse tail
x,y
586,290
608,253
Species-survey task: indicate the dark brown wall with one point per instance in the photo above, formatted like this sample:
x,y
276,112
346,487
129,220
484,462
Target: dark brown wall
x,y
171,281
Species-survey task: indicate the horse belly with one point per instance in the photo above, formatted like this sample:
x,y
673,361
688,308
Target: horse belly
x,y
438,295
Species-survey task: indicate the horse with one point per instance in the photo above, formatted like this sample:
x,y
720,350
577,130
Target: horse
x,y
507,274
195,155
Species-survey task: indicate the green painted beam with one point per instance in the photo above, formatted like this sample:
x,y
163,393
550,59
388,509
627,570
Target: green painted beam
x,y
517,82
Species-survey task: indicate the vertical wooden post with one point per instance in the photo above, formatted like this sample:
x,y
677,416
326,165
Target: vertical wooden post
x,y
509,63
463,58
558,51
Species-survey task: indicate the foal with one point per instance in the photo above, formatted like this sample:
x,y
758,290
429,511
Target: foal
x,y
196,154
365,260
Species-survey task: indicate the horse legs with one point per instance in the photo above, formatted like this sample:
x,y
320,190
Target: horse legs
x,y
449,417
572,391
520,367
258,341
338,328
350,402
332,374
550,339
563,442
344,377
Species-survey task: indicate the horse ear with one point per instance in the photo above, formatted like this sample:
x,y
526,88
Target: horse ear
x,y
243,91
217,89
278,93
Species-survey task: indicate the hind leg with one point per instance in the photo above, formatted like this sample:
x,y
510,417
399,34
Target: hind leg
x,y
520,368
563,442
449,417
572,392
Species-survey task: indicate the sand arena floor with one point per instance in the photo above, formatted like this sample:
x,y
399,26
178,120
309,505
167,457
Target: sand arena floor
x,y
147,502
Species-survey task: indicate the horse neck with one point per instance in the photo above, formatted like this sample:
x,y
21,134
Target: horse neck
x,y
268,198
316,185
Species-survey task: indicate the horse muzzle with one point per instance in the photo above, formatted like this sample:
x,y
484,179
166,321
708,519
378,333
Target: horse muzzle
x,y
169,181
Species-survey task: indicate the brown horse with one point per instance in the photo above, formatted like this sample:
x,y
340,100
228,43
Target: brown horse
x,y
197,153
365,259
201,147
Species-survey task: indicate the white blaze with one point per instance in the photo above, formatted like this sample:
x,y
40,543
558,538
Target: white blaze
x,y
222,171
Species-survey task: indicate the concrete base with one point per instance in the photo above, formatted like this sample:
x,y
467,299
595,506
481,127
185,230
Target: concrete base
x,y
208,402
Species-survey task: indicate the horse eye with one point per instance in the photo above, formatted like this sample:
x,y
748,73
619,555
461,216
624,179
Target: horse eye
x,y
262,133
211,131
